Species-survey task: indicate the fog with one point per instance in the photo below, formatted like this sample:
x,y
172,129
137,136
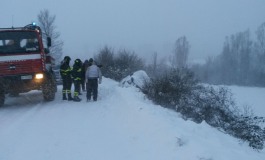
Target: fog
x,y
142,26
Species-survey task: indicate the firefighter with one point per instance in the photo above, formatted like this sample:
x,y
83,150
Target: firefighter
x,y
77,77
83,81
66,74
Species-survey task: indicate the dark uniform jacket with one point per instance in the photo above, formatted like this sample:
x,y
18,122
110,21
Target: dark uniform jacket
x,y
66,71
77,72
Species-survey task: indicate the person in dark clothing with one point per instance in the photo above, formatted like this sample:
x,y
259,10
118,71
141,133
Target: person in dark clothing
x,y
77,75
93,78
83,79
66,74
90,62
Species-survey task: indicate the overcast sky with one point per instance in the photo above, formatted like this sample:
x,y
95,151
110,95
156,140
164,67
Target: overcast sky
x,y
143,26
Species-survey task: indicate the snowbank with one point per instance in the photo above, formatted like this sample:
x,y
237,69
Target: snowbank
x,y
137,79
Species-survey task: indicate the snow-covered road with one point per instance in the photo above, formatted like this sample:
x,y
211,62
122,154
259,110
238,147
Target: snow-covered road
x,y
33,129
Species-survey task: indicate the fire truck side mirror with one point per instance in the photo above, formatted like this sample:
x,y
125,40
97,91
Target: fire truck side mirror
x,y
49,41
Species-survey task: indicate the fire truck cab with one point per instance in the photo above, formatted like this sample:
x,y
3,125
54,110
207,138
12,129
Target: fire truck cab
x,y
25,64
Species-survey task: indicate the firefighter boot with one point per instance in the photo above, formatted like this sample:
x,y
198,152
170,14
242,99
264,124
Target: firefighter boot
x,y
77,99
70,97
64,96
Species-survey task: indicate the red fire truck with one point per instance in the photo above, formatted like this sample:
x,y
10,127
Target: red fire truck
x,y
25,64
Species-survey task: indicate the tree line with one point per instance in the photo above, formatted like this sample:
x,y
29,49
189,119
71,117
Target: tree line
x,y
241,62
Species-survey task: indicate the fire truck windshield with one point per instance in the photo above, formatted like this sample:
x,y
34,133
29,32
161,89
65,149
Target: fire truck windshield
x,y
12,42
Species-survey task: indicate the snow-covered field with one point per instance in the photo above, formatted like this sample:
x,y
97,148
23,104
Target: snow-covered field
x,y
250,96
122,125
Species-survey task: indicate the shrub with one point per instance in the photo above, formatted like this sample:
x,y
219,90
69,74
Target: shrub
x,y
179,90
168,89
248,128
120,65
106,58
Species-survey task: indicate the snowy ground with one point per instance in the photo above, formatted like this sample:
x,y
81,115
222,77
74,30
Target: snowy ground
x,y
250,96
122,125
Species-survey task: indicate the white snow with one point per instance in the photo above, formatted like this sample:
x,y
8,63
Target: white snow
x,y
250,96
137,79
121,125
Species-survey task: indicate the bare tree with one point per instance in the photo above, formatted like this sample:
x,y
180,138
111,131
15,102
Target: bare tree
x,y
236,59
106,58
153,66
127,62
259,53
260,47
260,44
157,67
47,24
181,51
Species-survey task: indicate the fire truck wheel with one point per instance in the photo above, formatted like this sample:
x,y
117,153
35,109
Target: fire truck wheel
x,y
2,98
48,91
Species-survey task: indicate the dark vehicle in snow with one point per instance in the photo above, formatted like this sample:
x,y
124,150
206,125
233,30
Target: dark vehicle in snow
x,y
25,64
